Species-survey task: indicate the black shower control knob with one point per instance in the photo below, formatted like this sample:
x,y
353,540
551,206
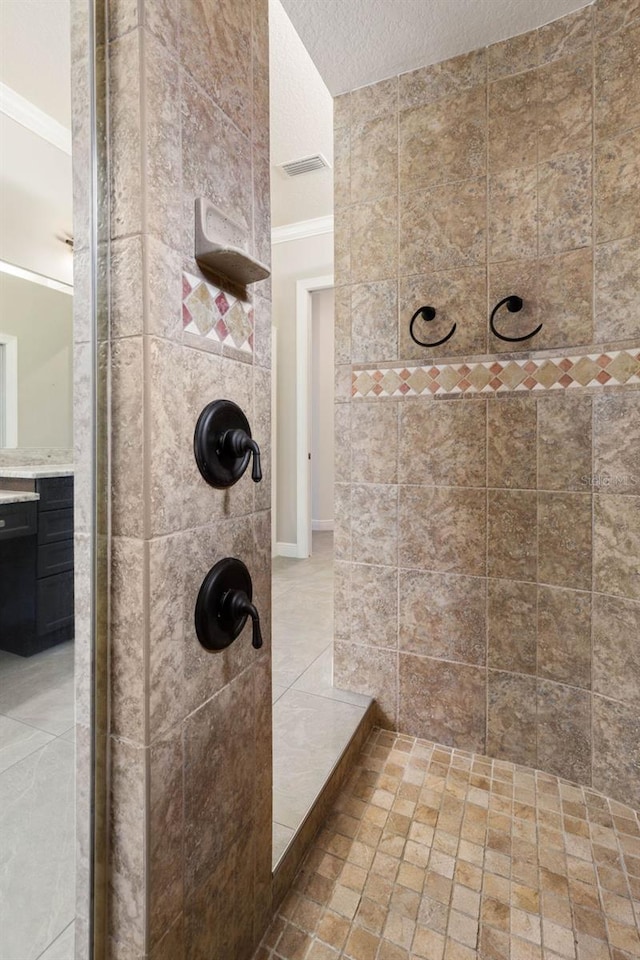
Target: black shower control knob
x,y
224,605
223,445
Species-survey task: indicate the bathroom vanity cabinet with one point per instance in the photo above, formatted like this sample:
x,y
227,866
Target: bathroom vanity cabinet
x,y
36,564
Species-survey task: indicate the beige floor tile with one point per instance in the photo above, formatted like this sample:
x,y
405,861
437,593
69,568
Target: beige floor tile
x,y
374,887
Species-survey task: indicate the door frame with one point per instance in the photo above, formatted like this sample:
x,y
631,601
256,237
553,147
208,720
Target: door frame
x,y
9,378
304,289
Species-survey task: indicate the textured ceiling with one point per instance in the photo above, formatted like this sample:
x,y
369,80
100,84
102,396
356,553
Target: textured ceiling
x,y
357,42
35,53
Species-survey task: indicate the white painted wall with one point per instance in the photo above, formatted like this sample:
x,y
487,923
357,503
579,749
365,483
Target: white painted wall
x,y
322,397
42,321
291,261
301,110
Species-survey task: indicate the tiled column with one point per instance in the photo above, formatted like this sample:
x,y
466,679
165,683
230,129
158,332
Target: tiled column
x,y
190,870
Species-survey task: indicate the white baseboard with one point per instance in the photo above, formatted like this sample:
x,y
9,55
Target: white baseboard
x,y
322,524
286,550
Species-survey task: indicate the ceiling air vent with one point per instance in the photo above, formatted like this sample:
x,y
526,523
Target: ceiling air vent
x,y
305,165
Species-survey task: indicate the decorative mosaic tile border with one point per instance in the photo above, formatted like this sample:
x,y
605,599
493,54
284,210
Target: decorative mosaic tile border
x,y
214,314
493,376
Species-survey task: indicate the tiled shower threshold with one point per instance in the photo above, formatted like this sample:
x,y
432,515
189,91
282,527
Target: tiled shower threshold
x,y
313,722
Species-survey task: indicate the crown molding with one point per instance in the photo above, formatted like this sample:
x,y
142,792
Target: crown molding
x,y
302,229
32,118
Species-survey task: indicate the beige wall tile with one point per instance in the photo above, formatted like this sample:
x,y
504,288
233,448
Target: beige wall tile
x,y
565,299
564,731
342,111
374,158
564,636
372,672
216,166
562,37
616,653
219,911
166,429
512,548
167,572
442,79
166,834
219,764
618,186
172,945
511,625
612,15
342,146
443,616
616,545
128,874
161,117
374,606
511,721
164,285
342,521
564,198
126,463
443,141
128,640
564,443
374,101
218,41
374,523
617,83
342,428
616,423
513,55
443,528
512,132
342,324
443,444
443,228
374,442
512,443
125,177
126,287
616,754
513,215
458,296
564,106
341,600
617,289
445,701
564,539
374,254
374,321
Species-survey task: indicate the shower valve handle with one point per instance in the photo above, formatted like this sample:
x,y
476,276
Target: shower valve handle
x,y
237,443
237,606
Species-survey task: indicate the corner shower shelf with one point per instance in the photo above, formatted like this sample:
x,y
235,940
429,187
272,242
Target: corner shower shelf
x,y
221,246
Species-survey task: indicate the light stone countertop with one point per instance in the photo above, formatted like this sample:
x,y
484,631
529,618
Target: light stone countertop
x,y
17,496
38,471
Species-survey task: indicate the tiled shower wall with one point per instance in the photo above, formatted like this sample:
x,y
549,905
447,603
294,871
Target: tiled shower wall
x,y
488,511
190,867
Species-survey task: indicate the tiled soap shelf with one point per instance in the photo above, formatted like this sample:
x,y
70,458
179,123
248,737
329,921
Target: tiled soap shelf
x,y
221,246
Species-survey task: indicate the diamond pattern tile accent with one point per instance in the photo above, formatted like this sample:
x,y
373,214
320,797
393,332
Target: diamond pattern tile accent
x,y
545,373
214,314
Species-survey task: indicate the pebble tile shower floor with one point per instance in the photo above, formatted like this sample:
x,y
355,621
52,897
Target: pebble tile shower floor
x,y
440,854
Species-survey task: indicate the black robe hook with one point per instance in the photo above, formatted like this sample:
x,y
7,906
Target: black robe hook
x,y
428,313
514,305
